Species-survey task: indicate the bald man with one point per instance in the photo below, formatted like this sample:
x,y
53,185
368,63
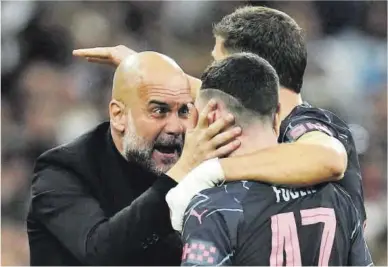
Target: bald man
x,y
100,200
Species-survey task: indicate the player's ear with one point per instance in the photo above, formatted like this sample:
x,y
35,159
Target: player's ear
x,y
216,114
276,120
117,116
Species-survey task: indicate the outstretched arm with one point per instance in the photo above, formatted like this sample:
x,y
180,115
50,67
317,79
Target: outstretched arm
x,y
115,54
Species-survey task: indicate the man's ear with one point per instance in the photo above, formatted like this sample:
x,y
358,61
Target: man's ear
x,y
117,115
277,121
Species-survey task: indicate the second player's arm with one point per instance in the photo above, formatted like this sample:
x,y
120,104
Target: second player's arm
x,y
314,158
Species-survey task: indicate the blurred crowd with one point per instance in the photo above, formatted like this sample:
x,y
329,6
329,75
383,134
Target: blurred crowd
x,y
49,97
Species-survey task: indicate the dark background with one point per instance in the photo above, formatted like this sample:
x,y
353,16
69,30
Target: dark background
x,y
49,97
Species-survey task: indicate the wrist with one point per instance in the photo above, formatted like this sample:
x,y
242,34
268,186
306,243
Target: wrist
x,y
227,169
206,175
210,172
178,171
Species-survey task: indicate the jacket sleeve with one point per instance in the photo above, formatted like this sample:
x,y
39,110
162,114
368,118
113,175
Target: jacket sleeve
x,y
64,206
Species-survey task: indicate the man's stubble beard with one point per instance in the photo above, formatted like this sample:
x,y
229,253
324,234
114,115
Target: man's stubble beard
x,y
139,150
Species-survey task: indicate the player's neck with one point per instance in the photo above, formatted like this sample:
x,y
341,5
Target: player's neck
x,y
254,139
288,101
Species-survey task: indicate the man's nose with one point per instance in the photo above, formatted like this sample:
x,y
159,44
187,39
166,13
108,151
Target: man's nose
x,y
174,125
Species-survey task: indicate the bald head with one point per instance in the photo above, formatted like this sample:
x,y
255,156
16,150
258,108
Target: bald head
x,y
145,70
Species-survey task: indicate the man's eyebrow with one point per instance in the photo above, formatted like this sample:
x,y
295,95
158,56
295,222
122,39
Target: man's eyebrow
x,y
188,103
156,102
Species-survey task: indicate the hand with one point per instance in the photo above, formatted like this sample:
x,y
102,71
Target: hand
x,y
205,142
105,55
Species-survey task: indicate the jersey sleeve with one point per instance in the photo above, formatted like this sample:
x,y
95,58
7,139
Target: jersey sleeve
x,y
359,251
310,121
209,226
300,125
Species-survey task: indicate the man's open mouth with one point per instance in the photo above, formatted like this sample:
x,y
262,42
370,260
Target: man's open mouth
x,y
169,149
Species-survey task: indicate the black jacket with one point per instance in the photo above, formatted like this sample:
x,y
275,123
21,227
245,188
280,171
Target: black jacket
x,y
89,206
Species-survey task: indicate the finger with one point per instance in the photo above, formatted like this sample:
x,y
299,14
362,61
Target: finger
x,y
92,52
99,60
203,121
219,125
193,116
211,117
225,137
98,52
225,150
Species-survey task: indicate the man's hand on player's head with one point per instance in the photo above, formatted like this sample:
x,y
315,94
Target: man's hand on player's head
x,y
105,55
206,142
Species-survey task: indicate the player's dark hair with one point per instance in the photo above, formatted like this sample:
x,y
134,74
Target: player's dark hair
x,y
271,34
243,116
248,78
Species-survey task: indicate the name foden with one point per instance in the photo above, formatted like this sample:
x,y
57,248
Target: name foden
x,y
285,194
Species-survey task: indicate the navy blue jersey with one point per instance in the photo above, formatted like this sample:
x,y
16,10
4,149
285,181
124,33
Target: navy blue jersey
x,y
305,118
251,223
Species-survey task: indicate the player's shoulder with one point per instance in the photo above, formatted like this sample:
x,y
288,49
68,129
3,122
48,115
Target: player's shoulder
x,y
222,202
305,110
341,196
341,199
344,205
234,196
227,195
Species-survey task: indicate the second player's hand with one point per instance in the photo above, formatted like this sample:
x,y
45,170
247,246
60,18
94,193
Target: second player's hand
x,y
105,55
206,142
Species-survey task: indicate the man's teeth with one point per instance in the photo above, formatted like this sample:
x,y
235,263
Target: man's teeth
x,y
167,150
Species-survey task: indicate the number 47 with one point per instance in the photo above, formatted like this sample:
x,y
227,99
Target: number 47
x,y
285,235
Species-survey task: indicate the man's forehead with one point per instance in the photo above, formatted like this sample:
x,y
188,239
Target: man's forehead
x,y
163,76
165,94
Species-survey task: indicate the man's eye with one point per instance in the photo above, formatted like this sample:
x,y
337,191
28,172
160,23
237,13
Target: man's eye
x,y
160,110
184,110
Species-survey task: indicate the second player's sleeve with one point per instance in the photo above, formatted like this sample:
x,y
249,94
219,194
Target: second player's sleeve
x,y
306,120
206,235
297,126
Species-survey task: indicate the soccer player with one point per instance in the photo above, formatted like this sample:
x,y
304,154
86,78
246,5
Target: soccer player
x,y
317,146
255,224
